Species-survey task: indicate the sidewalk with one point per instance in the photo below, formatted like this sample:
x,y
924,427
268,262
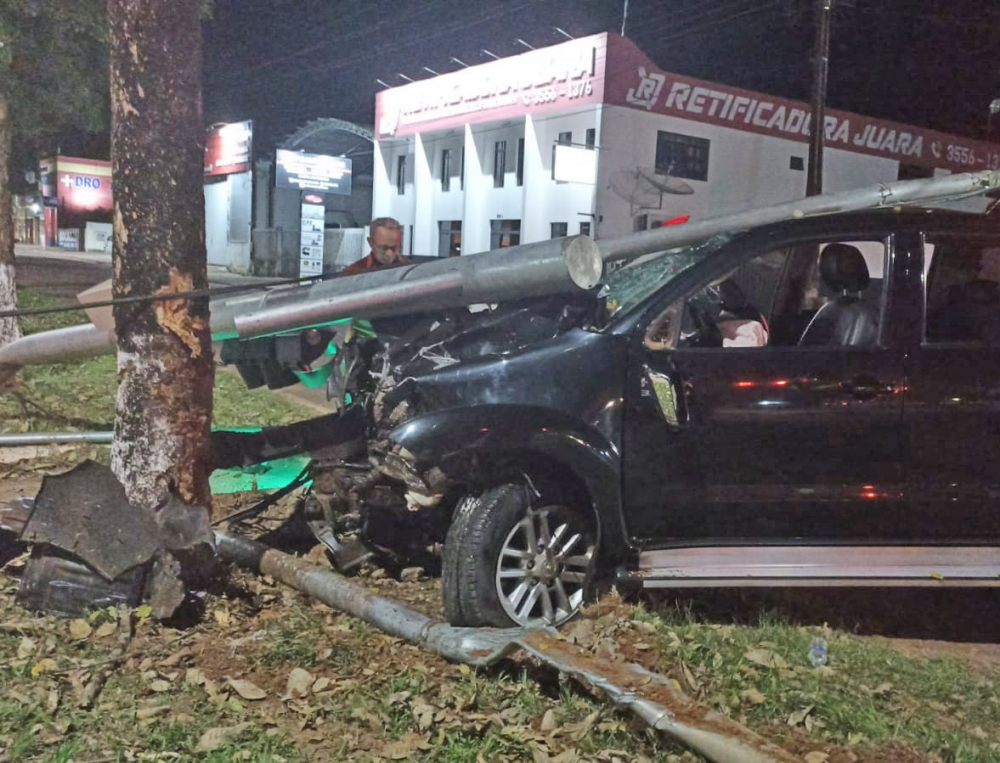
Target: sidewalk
x,y
217,274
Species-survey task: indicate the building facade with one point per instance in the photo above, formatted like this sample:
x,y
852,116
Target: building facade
x,y
77,203
589,136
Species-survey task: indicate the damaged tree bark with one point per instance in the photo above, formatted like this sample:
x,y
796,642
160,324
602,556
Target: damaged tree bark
x,y
9,327
165,369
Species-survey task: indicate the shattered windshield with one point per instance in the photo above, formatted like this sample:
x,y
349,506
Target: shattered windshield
x,y
627,287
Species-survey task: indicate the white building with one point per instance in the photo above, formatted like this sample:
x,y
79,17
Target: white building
x,y
589,136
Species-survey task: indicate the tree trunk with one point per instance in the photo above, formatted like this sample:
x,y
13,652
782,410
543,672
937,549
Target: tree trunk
x,y
10,329
165,366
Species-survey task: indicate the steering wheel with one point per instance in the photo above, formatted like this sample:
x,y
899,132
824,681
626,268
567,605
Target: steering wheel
x,y
706,334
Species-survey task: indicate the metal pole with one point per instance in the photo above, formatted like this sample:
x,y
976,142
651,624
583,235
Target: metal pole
x,y
531,270
55,438
888,194
649,696
520,272
821,65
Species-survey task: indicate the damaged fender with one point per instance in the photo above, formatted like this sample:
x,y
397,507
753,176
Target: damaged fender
x,y
491,432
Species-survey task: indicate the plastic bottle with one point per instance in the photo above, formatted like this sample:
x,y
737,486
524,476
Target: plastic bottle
x,y
817,652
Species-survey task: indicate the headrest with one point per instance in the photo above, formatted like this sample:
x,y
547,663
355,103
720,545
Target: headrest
x,y
732,296
842,267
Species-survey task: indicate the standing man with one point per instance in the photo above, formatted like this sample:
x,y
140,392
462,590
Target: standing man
x,y
386,241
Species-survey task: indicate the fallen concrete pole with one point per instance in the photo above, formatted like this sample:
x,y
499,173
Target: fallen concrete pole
x,y
883,195
531,270
58,346
648,696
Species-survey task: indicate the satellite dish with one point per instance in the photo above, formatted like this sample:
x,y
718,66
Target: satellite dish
x,y
643,187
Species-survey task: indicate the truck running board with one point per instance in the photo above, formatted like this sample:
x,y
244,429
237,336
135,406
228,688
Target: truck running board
x,y
836,566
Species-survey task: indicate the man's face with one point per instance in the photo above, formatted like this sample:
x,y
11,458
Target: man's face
x,y
386,244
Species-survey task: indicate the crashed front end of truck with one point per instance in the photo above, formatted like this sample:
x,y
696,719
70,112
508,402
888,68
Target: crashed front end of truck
x,y
435,410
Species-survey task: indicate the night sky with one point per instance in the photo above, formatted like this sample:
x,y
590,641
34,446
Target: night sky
x,y
281,63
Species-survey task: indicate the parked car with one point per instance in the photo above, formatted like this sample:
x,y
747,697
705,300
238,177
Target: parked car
x,y
815,402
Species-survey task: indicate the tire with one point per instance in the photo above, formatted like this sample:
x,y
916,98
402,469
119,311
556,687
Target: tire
x,y
490,579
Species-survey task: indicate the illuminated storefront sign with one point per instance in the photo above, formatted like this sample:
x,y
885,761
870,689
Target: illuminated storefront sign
x,y
550,79
637,83
229,148
312,172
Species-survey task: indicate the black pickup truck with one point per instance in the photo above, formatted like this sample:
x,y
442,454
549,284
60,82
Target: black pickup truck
x,y
814,402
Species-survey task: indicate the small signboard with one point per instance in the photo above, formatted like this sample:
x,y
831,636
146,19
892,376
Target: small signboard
x,y
312,172
311,242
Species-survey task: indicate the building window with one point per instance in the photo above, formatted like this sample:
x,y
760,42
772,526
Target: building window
x,y
584,229
640,223
400,175
499,162
914,171
564,139
591,137
411,241
520,161
461,172
559,230
504,233
797,163
449,238
446,170
682,156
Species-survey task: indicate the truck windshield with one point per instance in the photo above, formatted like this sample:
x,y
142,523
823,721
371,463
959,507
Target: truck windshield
x,y
629,286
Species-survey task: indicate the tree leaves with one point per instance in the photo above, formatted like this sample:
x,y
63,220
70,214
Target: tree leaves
x,y
247,689
216,737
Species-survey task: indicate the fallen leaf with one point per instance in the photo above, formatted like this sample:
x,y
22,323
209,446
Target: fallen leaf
x,y
221,617
398,697
299,683
549,721
247,689
882,689
176,658
144,713
978,733
46,665
753,696
321,683
215,737
816,757
106,629
194,677
578,731
79,629
765,657
566,756
406,746
798,716
26,648
159,686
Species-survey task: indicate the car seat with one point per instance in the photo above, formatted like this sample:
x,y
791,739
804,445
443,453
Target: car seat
x,y
844,321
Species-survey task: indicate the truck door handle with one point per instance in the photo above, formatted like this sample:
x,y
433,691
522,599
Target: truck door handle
x,y
866,386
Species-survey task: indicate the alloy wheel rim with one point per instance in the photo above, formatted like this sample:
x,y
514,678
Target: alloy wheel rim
x,y
544,567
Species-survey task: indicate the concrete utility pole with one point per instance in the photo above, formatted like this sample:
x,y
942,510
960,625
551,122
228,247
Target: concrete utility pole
x,y
821,66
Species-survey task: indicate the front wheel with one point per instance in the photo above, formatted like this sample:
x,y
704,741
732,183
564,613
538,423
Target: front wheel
x,y
508,562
